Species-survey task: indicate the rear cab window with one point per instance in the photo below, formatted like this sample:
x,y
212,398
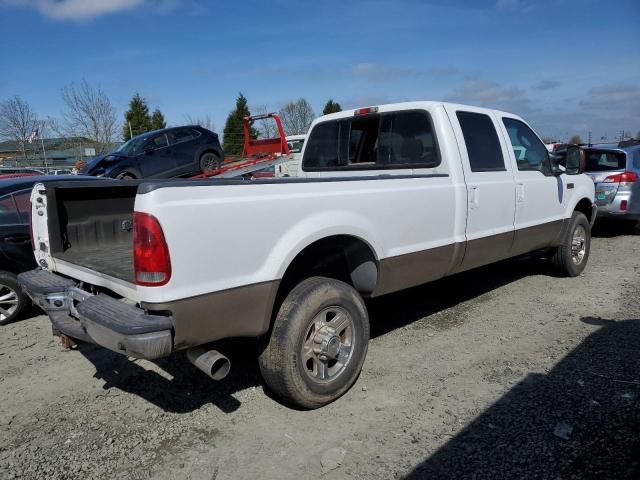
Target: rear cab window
x,y
374,141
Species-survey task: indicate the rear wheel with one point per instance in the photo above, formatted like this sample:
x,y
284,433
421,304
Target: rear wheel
x,y
570,259
318,343
12,300
209,161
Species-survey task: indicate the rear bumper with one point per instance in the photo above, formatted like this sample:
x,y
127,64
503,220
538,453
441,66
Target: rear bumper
x,y
613,209
99,319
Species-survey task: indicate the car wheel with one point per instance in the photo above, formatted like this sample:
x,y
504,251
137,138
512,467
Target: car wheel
x,y
126,176
570,259
209,161
318,343
12,299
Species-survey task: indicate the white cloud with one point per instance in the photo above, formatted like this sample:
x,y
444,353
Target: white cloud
x,y
483,93
79,10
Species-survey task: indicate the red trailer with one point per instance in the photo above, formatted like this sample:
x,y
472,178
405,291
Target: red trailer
x,y
256,154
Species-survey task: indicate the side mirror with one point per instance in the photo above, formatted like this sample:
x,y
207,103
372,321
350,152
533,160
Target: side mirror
x,y
575,160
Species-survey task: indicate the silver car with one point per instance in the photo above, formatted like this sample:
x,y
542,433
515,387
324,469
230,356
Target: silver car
x,y
615,170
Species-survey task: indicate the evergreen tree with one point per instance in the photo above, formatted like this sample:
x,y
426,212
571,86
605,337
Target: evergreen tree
x,y
157,120
233,136
137,117
331,107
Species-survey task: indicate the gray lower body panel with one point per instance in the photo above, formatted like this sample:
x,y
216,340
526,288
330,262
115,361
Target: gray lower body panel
x,y
237,312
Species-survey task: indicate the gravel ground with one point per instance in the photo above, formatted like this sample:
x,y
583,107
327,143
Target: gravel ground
x,y
503,372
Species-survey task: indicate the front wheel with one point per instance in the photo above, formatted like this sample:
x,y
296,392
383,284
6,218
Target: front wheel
x,y
570,259
318,343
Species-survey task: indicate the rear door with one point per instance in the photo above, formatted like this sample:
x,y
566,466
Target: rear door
x,y
541,196
15,242
490,186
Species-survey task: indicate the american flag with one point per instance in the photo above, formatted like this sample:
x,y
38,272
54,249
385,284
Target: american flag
x,y
34,136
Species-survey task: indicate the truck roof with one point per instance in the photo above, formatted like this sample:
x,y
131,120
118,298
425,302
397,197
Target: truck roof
x,y
418,104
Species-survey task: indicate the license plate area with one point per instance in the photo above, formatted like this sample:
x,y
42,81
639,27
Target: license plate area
x,y
605,194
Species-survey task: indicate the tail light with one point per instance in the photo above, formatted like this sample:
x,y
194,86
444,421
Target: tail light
x,y
151,261
625,178
623,205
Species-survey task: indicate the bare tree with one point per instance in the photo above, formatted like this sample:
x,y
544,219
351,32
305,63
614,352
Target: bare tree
x,y
266,128
17,121
296,117
575,140
89,114
204,122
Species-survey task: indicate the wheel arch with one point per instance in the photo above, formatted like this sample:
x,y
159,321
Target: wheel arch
x,y
345,257
585,205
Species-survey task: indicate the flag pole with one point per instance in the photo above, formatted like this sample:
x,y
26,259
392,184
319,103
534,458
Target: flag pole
x,y
44,152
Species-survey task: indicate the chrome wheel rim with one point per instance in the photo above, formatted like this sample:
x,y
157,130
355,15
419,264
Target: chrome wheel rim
x,y
209,162
328,344
578,245
8,302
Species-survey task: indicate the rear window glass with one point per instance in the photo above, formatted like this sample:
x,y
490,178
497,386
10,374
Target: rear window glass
x,y
389,140
481,139
23,202
603,161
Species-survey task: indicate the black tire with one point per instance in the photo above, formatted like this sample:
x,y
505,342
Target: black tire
x,y
15,301
209,161
567,259
126,176
295,376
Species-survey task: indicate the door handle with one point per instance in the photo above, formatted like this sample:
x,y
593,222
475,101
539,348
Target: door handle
x,y
475,197
17,239
520,192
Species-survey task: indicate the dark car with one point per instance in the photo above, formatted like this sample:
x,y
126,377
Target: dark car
x,y
16,252
166,153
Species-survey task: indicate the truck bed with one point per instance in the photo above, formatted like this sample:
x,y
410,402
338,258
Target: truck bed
x,y
116,261
91,226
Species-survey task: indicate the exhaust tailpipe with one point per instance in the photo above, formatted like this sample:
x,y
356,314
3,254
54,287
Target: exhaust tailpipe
x,y
211,362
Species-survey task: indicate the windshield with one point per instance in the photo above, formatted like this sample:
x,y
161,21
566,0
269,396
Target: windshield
x,y
604,161
132,146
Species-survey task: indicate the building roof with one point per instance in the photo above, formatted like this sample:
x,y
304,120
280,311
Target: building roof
x,y
59,143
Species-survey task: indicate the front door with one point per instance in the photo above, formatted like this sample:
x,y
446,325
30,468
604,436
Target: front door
x,y
156,159
490,186
541,197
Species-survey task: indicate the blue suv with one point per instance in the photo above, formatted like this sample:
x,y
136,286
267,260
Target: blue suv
x,y
170,152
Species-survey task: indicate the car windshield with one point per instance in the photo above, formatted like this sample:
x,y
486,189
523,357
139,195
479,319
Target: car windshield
x,y
132,146
604,161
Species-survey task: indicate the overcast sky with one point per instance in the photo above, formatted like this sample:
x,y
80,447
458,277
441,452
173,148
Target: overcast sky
x,y
566,66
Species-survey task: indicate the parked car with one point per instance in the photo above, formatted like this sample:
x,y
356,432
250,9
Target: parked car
x,y
615,171
391,197
20,170
16,250
166,153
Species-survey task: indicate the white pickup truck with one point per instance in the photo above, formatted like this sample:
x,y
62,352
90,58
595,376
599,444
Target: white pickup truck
x,y
390,197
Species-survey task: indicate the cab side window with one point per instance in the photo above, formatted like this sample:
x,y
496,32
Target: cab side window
x,y
23,202
530,152
180,135
481,139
